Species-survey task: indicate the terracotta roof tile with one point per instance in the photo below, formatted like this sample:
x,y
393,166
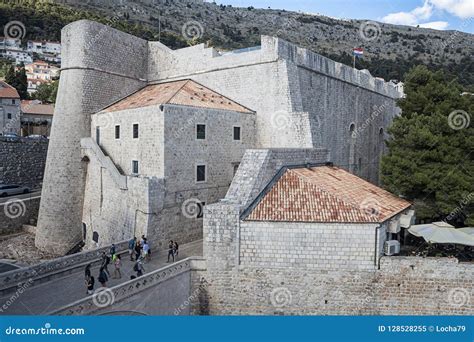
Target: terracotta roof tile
x,y
185,92
36,107
7,91
326,194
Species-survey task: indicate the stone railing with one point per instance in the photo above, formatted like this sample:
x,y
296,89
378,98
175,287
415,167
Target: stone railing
x,y
89,305
48,270
91,149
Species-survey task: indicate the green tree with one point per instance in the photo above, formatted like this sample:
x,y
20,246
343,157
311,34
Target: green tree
x,y
431,149
17,79
46,92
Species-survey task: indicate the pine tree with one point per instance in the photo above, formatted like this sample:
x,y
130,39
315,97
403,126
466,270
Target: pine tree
x,y
431,149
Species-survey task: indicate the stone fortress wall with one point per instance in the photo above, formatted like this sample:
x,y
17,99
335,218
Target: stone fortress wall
x,y
277,80
302,99
91,78
152,204
22,162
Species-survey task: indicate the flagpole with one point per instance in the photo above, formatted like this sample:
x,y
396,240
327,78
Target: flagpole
x,y
354,56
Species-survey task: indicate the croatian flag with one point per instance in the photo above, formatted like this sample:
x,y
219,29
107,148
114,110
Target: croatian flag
x,y
358,52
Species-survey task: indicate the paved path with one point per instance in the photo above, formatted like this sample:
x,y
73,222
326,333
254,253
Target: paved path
x,y
46,297
32,194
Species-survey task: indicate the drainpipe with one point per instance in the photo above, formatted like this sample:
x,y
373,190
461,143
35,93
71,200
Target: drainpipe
x,y
376,244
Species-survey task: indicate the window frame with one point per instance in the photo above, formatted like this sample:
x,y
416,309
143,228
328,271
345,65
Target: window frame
x,y
119,131
196,173
240,133
196,131
138,130
138,167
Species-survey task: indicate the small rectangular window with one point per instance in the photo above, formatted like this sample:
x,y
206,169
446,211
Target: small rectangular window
x,y
135,131
135,167
200,173
201,132
236,133
9,115
117,132
13,101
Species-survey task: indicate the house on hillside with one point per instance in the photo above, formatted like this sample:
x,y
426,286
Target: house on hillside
x,y
9,109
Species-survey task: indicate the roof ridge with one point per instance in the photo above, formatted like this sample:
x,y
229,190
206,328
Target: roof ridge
x,y
177,91
345,200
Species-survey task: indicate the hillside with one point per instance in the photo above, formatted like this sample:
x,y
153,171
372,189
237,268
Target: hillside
x,y
390,50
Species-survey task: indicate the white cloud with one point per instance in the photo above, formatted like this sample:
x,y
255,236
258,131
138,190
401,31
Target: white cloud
x,y
410,18
437,25
460,8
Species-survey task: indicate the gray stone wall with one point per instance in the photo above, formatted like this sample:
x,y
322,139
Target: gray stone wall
x,y
402,286
15,212
308,245
162,202
100,66
23,162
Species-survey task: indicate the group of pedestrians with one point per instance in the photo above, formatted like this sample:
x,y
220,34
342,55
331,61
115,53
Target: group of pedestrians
x,y
139,251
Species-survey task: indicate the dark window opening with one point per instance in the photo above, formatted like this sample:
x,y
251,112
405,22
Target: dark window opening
x,y
201,132
135,131
95,237
117,132
135,167
201,173
236,133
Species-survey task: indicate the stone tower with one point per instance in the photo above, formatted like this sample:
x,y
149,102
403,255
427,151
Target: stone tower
x,y
99,66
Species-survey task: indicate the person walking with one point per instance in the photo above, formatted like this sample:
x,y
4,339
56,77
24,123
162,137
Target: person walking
x,y
146,249
131,247
170,250
138,250
176,250
139,268
87,272
90,284
105,263
113,250
118,265
103,277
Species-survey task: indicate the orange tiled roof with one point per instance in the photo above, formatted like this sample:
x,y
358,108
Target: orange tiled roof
x,y
326,194
7,91
185,92
36,107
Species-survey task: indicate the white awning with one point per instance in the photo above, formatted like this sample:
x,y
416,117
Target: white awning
x,y
441,232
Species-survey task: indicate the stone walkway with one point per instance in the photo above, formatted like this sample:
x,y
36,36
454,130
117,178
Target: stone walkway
x,y
50,296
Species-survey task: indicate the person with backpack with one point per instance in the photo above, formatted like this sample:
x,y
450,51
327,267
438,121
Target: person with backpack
x,y
176,249
138,267
170,250
103,277
90,284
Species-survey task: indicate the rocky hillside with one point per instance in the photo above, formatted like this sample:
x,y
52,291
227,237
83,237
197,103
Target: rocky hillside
x,y
390,50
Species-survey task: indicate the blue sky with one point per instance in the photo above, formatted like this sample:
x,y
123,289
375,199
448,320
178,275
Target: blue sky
x,y
437,14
